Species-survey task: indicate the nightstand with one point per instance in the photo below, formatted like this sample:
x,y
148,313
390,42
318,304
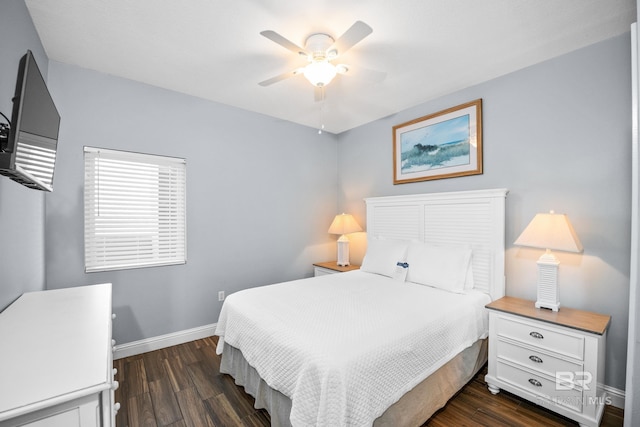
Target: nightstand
x,y
554,359
331,267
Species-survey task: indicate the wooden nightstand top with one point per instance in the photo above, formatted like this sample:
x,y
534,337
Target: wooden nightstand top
x,y
332,265
577,319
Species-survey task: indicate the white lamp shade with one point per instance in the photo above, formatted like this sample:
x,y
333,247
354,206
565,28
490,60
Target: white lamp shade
x,y
344,224
550,231
320,73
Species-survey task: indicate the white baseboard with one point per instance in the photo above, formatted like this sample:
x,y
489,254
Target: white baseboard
x,y
163,341
616,395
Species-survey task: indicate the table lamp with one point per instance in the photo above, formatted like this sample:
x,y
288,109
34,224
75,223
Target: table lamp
x,y
343,224
549,231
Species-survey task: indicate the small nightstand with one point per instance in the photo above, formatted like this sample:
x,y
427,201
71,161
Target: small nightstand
x,y
331,267
554,359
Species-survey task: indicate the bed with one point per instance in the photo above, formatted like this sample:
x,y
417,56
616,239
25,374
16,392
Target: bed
x,y
387,345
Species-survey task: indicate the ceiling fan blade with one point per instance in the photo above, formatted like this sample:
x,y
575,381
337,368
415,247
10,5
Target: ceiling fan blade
x,y
281,77
365,74
353,35
287,44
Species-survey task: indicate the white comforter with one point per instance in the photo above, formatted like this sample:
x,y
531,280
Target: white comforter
x,y
345,347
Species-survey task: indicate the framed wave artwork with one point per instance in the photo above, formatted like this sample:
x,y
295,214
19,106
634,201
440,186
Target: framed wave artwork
x,y
445,144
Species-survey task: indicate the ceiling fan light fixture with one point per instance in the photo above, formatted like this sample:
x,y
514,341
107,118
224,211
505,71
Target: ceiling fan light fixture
x,y
320,73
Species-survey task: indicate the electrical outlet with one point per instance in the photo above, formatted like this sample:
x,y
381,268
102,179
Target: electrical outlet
x,y
220,295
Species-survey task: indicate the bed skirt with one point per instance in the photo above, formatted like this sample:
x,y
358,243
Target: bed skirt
x,y
413,409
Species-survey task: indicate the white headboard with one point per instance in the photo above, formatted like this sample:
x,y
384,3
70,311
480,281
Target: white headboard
x,y
475,218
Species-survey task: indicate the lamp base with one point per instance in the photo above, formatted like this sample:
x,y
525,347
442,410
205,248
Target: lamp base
x,y
343,251
548,282
543,304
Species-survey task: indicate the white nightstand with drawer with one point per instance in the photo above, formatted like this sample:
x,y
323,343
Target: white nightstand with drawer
x,y
332,267
554,359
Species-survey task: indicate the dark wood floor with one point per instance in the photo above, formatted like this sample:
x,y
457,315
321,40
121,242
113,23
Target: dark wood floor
x,y
181,386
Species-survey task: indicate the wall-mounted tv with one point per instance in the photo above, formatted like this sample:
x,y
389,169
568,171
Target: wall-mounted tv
x,y
29,154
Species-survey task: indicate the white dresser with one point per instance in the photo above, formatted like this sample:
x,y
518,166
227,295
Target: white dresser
x,y
554,359
56,361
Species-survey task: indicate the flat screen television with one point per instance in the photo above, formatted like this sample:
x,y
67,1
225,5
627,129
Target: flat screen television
x,y
29,154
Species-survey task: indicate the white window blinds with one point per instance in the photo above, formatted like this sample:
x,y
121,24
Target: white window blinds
x,y
134,210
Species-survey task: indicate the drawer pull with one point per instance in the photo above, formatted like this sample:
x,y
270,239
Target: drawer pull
x,y
535,382
535,359
537,335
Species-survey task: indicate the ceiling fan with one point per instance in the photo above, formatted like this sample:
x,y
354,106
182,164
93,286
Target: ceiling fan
x,y
320,50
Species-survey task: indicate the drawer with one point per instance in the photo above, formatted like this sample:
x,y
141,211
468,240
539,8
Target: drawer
x,y
81,412
540,335
319,271
536,360
540,385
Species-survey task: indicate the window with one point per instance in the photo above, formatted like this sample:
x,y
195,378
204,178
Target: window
x,y
134,210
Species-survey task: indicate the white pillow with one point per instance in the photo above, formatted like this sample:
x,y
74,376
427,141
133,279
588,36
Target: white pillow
x,y
444,267
383,256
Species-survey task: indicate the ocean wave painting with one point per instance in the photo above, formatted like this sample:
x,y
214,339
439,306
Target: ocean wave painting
x,y
439,145
445,144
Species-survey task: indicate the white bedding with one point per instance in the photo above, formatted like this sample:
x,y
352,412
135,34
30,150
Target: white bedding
x,y
345,347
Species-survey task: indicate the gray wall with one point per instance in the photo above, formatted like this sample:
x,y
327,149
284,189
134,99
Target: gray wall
x,y
557,135
261,194
21,209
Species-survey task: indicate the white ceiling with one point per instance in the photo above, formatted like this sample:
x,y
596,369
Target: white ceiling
x,y
213,48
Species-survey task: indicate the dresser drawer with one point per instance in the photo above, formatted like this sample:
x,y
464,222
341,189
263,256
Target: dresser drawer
x,y
539,335
536,360
540,385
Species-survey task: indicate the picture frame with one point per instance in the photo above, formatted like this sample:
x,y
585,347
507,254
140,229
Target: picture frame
x,y
445,144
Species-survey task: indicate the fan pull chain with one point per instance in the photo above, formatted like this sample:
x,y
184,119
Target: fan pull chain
x,y
321,128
